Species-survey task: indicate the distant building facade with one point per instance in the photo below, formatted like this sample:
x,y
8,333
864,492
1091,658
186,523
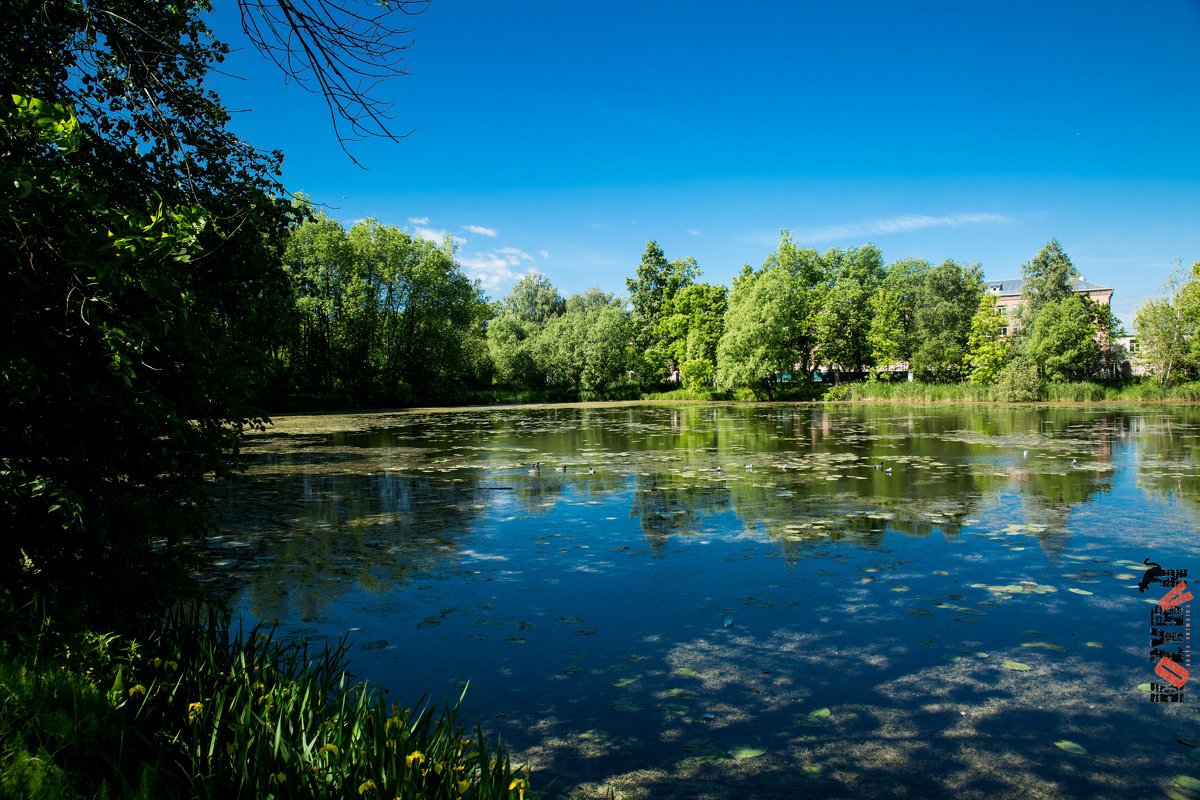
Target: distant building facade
x,y
1008,297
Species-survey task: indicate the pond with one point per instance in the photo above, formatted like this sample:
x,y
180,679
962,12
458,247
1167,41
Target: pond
x,y
752,601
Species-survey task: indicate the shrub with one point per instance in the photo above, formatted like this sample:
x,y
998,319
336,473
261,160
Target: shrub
x,y
1019,382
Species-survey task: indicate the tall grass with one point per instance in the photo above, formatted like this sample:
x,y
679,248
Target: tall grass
x,y
905,392
1060,392
201,711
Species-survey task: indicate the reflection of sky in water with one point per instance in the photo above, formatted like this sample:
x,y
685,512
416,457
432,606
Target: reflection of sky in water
x,y
814,624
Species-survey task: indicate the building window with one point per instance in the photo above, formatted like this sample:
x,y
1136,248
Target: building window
x,y
1004,330
1002,309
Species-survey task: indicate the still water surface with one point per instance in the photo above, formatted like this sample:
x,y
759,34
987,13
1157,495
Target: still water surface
x,y
751,601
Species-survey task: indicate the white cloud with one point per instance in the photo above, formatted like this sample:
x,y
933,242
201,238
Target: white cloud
x,y
544,253
905,224
419,220
494,269
514,255
693,231
430,234
482,231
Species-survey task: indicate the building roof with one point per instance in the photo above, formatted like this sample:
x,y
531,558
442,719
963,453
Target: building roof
x,y
1011,286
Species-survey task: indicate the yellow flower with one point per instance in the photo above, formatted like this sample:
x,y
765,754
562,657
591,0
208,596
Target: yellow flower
x,y
137,689
366,786
462,786
229,749
278,777
194,711
416,756
329,748
437,767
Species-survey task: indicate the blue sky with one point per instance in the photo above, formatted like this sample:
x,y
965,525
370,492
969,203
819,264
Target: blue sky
x,y
559,136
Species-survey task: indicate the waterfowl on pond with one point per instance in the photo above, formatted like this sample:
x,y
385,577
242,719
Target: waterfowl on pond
x,y
591,471
888,471
1024,454
560,469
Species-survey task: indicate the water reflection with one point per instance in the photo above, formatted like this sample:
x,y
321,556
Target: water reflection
x,y
760,600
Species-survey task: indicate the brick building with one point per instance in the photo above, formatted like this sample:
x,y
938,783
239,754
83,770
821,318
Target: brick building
x,y
1008,296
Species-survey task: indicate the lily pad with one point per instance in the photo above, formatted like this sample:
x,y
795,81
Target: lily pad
x,y
1073,590
515,640
921,612
586,632
573,670
1187,782
686,671
900,588
378,644
746,752
1017,665
626,705
627,681
1095,644
1145,687
1071,747
595,735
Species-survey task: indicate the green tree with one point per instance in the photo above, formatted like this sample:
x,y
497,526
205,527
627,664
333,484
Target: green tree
x,y
947,300
988,346
763,328
1063,343
892,336
142,296
844,324
535,300
690,329
587,348
1049,277
382,315
650,293
1167,326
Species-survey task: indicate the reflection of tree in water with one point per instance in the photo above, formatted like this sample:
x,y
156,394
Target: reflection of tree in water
x,y
303,537
667,503
1169,444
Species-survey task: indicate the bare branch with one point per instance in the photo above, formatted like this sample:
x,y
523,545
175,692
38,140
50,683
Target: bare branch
x,y
340,49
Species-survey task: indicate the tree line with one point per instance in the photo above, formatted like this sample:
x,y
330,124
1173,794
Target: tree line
x,y
380,316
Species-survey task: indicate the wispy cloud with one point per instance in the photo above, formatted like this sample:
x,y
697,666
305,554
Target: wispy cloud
x,y
482,231
889,225
514,255
544,253
693,231
419,220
